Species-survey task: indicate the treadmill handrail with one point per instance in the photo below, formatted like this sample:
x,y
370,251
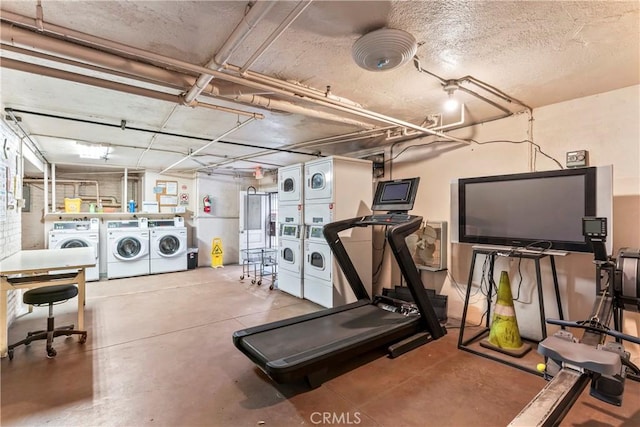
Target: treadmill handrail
x,y
395,234
330,232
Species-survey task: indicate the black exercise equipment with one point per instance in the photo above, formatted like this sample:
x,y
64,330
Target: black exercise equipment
x,y
573,363
48,296
306,347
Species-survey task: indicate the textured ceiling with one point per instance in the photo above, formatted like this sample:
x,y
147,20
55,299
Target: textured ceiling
x,y
538,53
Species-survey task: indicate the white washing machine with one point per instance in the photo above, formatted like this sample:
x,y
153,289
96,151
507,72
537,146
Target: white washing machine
x,y
290,259
168,245
78,234
127,248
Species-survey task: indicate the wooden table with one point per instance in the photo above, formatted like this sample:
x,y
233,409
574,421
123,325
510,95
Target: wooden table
x,y
43,267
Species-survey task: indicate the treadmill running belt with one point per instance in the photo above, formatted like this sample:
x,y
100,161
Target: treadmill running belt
x,y
283,343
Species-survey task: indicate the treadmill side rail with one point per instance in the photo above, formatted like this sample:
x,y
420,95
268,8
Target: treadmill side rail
x,y
330,232
396,236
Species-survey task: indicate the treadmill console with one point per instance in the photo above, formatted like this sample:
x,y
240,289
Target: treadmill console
x,y
397,196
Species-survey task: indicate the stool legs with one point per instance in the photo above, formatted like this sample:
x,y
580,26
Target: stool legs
x,y
48,335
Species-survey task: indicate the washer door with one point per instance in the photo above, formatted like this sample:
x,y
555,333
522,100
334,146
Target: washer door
x,y
129,248
73,243
169,246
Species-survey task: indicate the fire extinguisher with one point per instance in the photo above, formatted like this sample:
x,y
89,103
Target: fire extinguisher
x,y
207,204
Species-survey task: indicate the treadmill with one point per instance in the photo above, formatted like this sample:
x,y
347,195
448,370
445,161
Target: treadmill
x,y
308,346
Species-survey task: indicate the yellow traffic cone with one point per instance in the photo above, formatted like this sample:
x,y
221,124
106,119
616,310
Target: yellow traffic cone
x,y
504,335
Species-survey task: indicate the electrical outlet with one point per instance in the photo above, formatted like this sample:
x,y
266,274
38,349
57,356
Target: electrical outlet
x,y
577,159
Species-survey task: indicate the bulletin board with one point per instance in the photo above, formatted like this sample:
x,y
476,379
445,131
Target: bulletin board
x,y
166,193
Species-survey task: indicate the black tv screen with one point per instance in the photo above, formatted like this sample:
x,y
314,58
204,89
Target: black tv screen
x,y
396,195
541,209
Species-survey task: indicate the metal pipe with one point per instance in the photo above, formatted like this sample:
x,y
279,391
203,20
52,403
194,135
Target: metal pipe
x,y
459,122
242,30
92,81
53,187
34,147
55,181
252,82
125,67
237,127
124,191
46,188
293,15
487,100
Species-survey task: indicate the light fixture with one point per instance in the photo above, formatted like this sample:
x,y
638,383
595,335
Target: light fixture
x,y
450,87
92,151
384,49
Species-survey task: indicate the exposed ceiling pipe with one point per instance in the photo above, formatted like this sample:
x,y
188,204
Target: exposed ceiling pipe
x,y
155,135
32,145
149,73
293,15
321,142
172,134
93,81
292,90
289,107
242,30
106,84
188,156
112,46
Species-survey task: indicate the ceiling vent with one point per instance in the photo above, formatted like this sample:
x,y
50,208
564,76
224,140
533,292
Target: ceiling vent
x,y
384,49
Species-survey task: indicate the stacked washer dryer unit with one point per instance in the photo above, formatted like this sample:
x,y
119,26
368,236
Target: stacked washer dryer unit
x,y
290,229
167,245
336,188
127,248
78,234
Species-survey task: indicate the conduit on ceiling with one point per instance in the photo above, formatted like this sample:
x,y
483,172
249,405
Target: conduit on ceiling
x,y
125,67
251,79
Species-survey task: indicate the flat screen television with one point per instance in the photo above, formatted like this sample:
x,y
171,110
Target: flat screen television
x,y
537,209
395,195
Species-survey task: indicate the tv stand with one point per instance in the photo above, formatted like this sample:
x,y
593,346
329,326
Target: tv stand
x,y
492,252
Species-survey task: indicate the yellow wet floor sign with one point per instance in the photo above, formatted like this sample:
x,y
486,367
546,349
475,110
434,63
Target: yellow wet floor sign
x,y
216,253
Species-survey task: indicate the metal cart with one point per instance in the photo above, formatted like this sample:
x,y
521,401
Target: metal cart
x,y
263,262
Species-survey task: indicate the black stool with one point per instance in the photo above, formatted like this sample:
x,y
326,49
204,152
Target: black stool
x,y
49,295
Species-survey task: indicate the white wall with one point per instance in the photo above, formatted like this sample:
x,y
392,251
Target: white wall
x,y
186,189
223,220
606,125
10,218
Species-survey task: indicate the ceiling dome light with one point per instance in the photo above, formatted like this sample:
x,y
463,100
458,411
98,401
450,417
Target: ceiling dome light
x,y
384,49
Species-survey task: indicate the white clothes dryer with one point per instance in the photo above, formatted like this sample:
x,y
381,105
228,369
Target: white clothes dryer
x,y
128,248
78,234
168,245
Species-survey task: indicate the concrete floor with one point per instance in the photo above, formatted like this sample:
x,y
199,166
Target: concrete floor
x,y
159,352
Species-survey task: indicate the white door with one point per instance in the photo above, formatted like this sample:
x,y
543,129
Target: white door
x,y
319,181
290,184
254,221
